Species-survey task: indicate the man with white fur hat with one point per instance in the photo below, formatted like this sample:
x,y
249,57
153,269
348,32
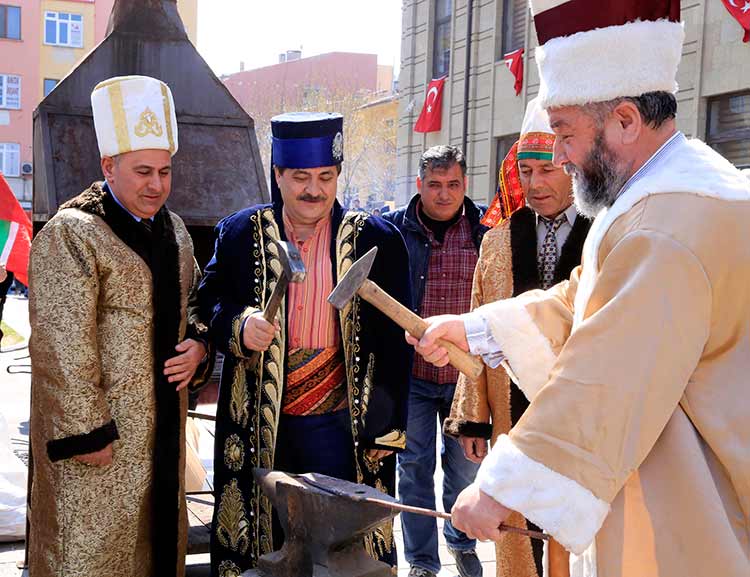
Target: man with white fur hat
x,y
635,450
113,347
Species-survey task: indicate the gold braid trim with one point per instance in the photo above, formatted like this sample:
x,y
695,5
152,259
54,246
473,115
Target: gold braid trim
x,y
270,380
346,245
380,541
367,386
239,403
232,519
235,343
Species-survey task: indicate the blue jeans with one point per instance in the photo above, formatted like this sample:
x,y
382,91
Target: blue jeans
x,y
428,403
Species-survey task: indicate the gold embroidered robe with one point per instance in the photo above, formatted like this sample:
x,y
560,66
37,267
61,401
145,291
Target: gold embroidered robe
x,y
238,281
90,305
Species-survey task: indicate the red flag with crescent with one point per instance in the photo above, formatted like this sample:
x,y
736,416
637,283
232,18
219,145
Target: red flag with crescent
x,y
740,10
430,119
514,62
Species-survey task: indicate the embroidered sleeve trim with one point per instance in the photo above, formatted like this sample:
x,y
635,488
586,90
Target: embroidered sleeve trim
x,y
96,440
205,368
236,345
394,440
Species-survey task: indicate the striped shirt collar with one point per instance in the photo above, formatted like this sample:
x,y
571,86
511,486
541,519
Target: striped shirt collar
x,y
655,161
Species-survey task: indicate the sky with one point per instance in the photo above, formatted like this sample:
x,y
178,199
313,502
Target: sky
x,y
257,31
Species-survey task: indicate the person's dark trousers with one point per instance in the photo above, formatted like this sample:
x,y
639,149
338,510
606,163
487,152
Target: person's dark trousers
x,y
314,444
4,286
428,404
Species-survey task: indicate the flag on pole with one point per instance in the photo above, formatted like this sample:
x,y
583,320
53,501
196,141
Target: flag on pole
x,y
514,62
15,234
430,119
740,10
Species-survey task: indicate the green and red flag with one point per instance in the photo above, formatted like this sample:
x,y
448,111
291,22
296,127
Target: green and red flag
x,y
15,234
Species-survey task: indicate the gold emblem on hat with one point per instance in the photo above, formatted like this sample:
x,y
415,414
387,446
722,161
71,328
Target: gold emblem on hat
x,y
148,124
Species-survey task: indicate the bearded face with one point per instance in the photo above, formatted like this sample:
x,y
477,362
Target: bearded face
x,y
597,180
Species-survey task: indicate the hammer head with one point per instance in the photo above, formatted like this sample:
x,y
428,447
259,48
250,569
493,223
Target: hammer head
x,y
352,280
291,261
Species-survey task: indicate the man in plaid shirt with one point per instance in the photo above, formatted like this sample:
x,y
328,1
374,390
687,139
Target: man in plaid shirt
x,y
442,230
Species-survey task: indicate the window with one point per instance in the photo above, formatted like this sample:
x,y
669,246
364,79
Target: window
x,y
514,25
729,127
441,51
504,145
63,29
10,22
10,91
10,159
49,84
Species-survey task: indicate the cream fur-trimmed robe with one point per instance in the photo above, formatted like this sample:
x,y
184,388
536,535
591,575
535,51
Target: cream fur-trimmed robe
x,y
635,451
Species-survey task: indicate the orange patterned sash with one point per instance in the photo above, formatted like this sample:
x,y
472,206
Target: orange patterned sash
x,y
316,382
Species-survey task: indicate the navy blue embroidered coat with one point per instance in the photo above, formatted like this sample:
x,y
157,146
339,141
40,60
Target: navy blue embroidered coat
x,y
238,281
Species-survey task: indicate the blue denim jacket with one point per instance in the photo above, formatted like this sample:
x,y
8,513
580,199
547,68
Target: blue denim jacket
x,y
418,244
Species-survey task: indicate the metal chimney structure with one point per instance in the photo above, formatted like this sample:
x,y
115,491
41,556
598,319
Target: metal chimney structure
x,y
217,169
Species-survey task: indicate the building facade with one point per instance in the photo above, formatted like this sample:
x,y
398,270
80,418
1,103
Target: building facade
x,y
713,98
40,42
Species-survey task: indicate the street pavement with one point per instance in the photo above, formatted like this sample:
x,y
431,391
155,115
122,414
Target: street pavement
x,y
16,384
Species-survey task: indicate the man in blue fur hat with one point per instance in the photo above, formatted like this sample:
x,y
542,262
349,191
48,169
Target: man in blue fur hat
x,y
331,392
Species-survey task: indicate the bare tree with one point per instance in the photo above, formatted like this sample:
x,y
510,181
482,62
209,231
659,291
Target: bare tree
x,y
369,168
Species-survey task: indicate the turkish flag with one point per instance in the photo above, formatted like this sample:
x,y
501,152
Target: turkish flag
x,y
430,119
740,9
514,62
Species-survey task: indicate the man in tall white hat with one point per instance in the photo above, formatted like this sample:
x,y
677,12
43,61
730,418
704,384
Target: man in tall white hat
x,y
635,450
113,347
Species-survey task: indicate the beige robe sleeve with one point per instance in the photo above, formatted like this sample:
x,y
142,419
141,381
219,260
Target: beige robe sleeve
x,y
616,382
63,300
538,321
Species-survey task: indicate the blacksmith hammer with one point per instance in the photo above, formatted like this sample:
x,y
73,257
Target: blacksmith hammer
x,y
355,281
292,270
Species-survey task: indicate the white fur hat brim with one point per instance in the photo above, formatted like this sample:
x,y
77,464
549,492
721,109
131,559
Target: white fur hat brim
x,y
607,63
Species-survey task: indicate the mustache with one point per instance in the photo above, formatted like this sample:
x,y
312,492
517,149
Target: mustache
x,y
312,198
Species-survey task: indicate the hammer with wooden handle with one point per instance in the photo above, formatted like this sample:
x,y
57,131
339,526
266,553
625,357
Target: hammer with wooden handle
x,y
292,270
355,281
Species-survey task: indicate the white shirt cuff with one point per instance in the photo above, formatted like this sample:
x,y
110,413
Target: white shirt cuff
x,y
481,341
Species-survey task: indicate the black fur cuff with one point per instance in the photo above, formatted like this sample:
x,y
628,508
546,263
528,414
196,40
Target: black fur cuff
x,y
461,428
96,440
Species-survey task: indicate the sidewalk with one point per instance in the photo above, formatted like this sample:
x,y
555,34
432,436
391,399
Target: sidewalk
x,y
15,408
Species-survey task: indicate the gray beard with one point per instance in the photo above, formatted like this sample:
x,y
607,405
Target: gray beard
x,y
597,183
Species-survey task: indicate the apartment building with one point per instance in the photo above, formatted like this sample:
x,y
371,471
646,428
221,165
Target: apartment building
x,y
40,42
713,99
